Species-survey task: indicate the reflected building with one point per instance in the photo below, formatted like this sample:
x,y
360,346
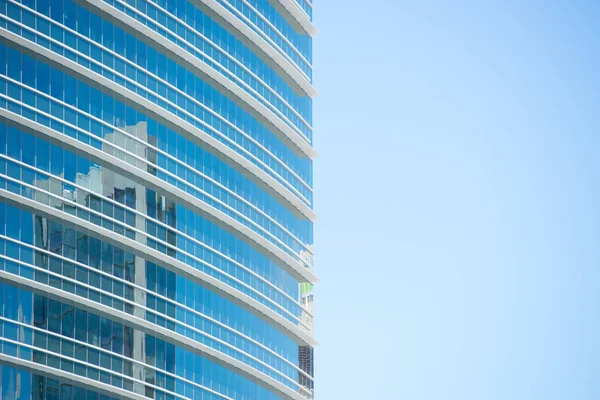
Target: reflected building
x,y
156,236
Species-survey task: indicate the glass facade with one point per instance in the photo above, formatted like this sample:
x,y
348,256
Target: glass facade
x,y
146,250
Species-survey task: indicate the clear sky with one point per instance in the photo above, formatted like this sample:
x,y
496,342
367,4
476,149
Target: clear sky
x,y
458,193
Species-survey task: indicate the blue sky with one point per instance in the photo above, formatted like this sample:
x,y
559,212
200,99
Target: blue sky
x,y
458,193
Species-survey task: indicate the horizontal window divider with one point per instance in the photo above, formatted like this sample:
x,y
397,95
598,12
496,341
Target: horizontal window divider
x,y
152,220
294,139
158,79
264,36
296,333
153,238
292,265
308,2
98,367
282,65
220,50
140,288
190,131
270,40
79,380
156,166
168,318
172,337
195,203
298,17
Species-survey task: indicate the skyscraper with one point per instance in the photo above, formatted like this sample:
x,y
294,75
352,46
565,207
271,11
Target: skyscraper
x,y
156,199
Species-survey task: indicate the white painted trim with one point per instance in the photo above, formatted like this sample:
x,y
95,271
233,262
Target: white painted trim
x,y
166,317
296,13
166,172
262,311
78,380
173,176
287,134
153,238
138,231
310,4
291,73
147,292
110,353
286,261
267,37
161,80
159,223
219,49
86,364
163,333
244,165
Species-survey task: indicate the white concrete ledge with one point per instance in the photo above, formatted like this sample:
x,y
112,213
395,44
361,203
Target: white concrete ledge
x,y
264,246
293,331
243,99
283,67
295,15
76,380
242,164
170,336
